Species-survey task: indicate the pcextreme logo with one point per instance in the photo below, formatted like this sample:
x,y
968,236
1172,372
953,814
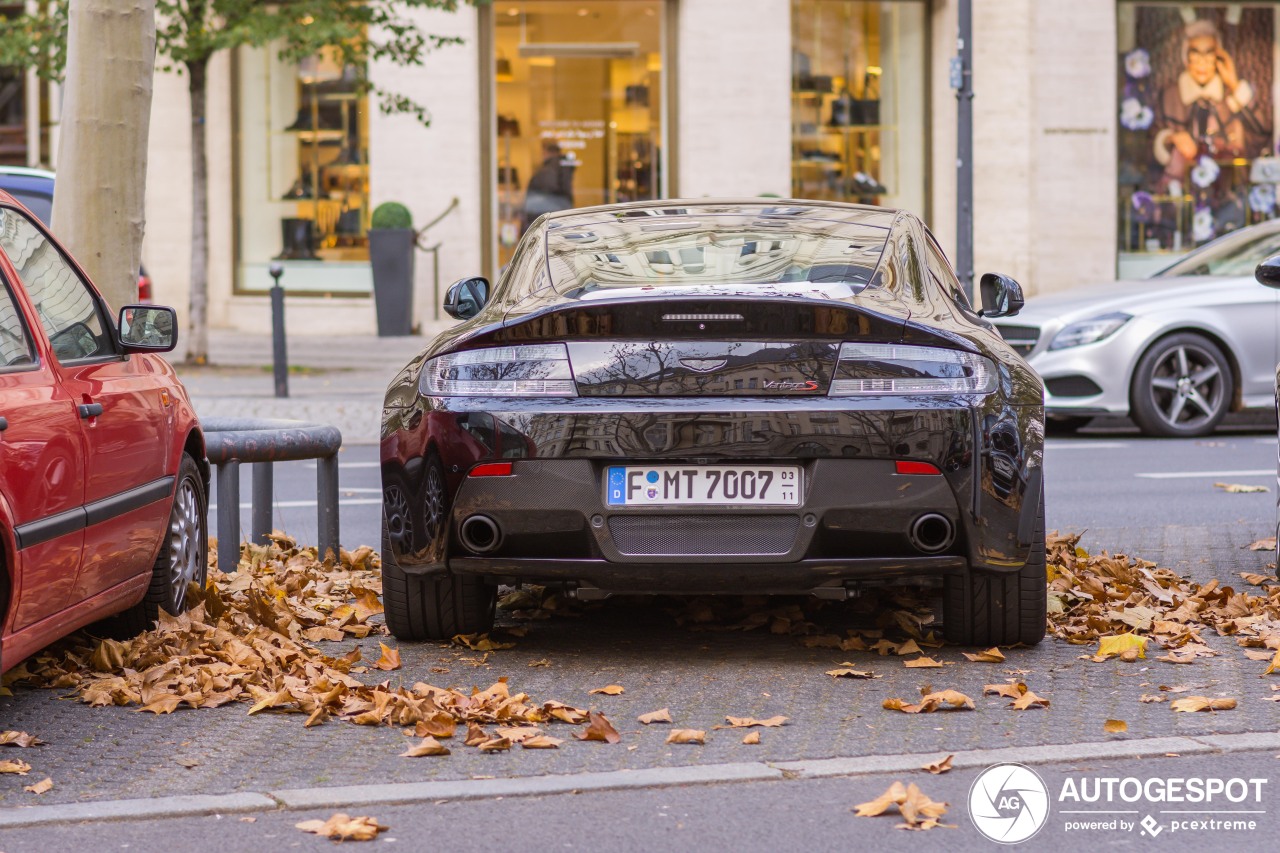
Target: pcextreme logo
x,y
1008,803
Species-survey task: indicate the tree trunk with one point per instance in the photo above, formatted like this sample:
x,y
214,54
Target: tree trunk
x,y
100,195
198,338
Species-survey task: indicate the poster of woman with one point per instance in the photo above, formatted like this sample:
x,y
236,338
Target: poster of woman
x,y
1195,114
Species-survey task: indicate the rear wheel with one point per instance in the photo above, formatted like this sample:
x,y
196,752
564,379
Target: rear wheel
x,y
990,609
433,607
1182,387
183,557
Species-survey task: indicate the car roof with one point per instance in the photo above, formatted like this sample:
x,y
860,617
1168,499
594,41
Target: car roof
x,y
640,215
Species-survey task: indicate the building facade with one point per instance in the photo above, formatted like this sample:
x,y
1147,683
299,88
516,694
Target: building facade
x,y
1083,110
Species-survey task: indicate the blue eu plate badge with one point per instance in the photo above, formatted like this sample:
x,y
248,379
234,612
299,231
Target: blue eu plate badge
x,y
617,486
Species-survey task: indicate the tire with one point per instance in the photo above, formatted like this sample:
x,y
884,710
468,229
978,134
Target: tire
x,y
399,512
435,607
999,609
1182,387
183,557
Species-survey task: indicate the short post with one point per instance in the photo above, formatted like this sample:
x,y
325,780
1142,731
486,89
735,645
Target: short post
x,y
263,488
279,357
228,515
327,504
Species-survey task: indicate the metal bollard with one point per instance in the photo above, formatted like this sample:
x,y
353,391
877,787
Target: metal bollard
x,y
263,489
229,515
279,356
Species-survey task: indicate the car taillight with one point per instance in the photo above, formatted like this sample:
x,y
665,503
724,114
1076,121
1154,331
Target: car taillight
x,y
533,370
144,288
878,369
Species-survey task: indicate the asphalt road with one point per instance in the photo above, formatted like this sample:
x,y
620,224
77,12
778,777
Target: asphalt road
x,y
780,815
1151,498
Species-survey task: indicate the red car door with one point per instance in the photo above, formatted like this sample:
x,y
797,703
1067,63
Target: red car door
x,y
41,475
124,416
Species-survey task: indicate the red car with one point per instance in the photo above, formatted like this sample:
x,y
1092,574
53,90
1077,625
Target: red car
x,y
103,479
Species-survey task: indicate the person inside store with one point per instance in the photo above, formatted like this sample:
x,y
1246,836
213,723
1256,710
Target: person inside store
x,y
1205,111
551,187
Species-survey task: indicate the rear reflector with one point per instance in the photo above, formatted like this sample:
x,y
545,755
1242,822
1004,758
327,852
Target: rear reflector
x,y
491,469
905,467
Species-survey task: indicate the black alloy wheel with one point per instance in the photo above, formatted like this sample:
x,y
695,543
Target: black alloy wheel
x,y
1182,387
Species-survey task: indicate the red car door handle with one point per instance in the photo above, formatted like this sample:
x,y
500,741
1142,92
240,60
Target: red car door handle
x,y
90,410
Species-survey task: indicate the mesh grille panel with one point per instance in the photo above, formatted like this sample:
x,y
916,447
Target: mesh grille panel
x,y
703,535
1022,338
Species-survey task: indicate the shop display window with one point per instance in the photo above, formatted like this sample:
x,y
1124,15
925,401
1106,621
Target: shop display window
x,y
579,108
858,72
1197,133
303,173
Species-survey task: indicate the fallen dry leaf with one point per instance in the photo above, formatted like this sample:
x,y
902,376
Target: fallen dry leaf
x,y
1115,726
754,737
1202,703
938,767
1268,544
662,715
428,746
686,736
917,810
18,766
1152,697
609,690
1118,644
498,744
598,728
922,662
1239,489
476,735
541,742
991,655
846,671
42,787
390,658
748,722
19,739
480,643
340,827
1029,700
186,762
947,700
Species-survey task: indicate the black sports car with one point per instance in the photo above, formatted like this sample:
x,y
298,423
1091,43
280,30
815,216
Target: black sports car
x,y
718,396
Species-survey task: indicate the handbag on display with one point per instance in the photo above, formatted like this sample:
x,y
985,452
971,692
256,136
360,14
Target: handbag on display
x,y
508,126
1265,170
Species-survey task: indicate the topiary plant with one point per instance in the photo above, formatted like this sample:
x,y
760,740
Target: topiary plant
x,y
391,214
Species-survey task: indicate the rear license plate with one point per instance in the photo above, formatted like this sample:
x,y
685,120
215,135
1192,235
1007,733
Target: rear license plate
x,y
702,485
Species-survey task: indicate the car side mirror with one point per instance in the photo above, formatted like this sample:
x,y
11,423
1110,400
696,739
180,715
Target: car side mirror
x,y
1268,272
147,328
1001,296
464,298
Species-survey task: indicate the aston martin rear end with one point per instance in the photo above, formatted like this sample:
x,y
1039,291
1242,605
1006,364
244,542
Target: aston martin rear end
x,y
718,397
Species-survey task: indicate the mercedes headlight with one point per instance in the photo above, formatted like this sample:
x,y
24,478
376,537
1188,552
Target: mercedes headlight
x,y
1089,331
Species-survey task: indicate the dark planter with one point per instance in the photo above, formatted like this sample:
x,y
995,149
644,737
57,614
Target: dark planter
x,y
391,255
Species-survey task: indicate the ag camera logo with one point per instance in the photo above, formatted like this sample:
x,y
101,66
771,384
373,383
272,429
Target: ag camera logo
x,y
1008,803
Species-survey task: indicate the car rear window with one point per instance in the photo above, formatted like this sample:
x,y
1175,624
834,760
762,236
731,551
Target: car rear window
x,y
711,252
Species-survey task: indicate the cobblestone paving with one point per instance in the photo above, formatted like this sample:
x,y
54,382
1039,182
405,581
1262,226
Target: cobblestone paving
x,y
112,753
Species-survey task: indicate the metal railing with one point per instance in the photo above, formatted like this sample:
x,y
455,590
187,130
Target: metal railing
x,y
263,442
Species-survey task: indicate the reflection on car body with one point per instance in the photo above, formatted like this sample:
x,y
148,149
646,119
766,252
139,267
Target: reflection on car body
x,y
618,415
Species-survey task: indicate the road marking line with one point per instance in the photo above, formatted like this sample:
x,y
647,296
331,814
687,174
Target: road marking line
x,y
1190,475
1084,445
301,504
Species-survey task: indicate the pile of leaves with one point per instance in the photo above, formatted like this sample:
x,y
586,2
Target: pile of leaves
x,y
246,639
1123,603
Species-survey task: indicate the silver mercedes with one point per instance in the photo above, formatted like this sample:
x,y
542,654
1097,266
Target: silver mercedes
x,y
1175,352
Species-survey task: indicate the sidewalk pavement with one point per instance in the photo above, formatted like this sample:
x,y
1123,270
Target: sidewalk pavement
x,y
332,380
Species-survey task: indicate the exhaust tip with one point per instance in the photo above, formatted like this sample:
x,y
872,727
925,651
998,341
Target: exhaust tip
x,y
480,534
931,533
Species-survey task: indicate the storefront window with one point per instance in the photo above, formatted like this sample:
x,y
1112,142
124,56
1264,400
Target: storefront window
x,y
858,102
579,107
1197,129
303,174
